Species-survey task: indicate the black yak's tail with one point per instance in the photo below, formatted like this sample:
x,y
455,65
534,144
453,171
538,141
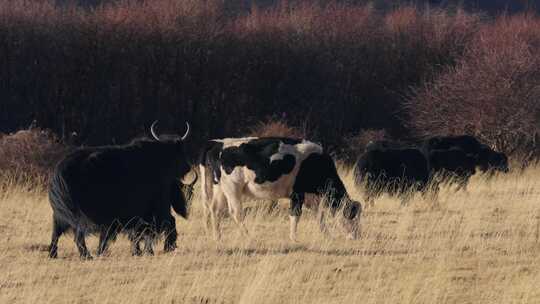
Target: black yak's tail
x,y
65,210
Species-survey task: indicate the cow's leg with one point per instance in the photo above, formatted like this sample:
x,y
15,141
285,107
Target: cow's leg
x,y
369,195
218,201
105,236
169,227
321,216
295,211
233,196
81,244
57,231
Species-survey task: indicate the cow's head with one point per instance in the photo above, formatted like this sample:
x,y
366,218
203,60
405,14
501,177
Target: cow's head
x,y
347,209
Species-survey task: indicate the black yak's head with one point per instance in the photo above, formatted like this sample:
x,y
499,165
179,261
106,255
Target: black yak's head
x,y
491,160
173,150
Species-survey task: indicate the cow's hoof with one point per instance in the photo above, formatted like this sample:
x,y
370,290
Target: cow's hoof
x,y
86,257
53,255
293,239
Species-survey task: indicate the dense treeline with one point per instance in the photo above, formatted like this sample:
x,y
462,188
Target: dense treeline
x,y
331,70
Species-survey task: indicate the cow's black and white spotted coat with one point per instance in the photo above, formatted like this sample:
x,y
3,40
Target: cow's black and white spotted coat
x,y
233,169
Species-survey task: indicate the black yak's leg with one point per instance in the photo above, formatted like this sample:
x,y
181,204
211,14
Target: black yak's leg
x,y
57,231
170,234
105,236
135,238
148,242
81,245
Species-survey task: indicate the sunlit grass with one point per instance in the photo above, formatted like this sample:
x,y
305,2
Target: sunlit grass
x,y
479,246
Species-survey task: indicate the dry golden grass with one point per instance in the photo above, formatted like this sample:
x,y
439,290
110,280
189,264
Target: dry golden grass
x,y
480,246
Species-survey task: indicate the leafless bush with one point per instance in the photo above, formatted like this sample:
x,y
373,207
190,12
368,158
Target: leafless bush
x,y
354,145
110,71
492,93
275,128
31,153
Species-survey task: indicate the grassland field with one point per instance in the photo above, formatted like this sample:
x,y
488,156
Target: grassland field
x,y
476,246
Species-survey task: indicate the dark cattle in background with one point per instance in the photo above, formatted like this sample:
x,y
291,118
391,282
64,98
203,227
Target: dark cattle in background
x,y
271,168
452,165
386,144
467,143
489,160
397,171
486,158
128,188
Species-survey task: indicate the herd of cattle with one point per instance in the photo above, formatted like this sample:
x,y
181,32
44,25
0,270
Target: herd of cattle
x,y
131,188
401,169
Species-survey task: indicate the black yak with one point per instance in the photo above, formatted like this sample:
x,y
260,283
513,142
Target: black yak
x,y
128,188
389,168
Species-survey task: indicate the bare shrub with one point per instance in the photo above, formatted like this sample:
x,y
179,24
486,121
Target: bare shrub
x,y
492,93
354,145
275,128
109,71
31,153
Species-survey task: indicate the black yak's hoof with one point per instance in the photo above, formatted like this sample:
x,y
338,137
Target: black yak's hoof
x,y
169,247
53,252
136,252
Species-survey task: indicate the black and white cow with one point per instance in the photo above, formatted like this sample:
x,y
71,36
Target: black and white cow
x,y
271,168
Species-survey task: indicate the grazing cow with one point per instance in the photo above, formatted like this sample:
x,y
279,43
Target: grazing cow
x,y
128,188
452,165
397,171
270,168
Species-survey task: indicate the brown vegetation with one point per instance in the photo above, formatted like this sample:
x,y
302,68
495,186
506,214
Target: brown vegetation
x,y
108,73
276,128
29,154
493,92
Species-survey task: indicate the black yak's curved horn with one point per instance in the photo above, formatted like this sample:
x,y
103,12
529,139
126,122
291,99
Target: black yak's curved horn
x,y
153,131
187,132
